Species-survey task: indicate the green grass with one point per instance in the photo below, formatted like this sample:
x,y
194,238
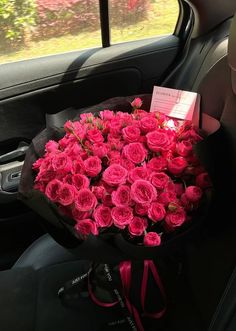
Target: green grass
x,y
162,19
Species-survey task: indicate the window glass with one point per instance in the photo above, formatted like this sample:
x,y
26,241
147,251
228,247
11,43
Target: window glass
x,y
33,28
138,19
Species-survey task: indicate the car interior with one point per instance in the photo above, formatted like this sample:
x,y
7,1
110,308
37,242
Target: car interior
x,y
200,56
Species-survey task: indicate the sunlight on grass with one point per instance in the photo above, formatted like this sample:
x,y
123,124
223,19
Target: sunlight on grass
x,y
161,20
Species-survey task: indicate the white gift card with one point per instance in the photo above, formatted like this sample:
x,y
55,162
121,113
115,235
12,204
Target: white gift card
x,y
175,103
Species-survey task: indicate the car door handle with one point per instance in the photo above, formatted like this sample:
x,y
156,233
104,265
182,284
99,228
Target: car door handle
x,y
20,151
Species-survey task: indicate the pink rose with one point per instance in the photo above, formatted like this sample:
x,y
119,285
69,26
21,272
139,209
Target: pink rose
x,y
114,157
141,209
115,126
86,227
121,197
80,181
157,164
107,115
79,215
152,239
85,200
73,150
138,173
37,164
66,194
159,140
61,162
148,124
122,216
52,189
93,166
137,226
136,103
51,146
203,180
100,150
143,191
135,152
131,134
76,128
127,164
177,165
66,142
166,197
175,219
98,191
140,113
156,212
193,193
102,216
115,175
184,148
95,136
45,176
78,166
159,180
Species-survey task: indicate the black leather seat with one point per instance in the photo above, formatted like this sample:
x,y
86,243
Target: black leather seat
x,y
28,299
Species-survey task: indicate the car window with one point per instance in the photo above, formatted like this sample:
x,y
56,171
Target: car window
x,y
138,19
35,28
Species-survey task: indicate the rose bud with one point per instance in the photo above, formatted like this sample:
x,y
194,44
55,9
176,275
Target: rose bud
x,y
152,239
203,180
193,193
136,103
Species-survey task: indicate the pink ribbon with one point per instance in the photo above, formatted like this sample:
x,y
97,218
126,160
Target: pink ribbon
x,y
125,273
149,265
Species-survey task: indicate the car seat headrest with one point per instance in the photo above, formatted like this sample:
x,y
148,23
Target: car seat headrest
x,y
232,52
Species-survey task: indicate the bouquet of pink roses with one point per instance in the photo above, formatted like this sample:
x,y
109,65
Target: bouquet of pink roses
x,y
119,184
136,174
